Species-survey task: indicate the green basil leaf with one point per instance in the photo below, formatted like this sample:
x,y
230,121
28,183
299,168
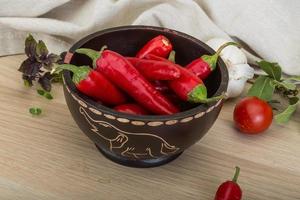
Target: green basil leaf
x,y
287,85
40,92
48,96
262,88
27,83
285,116
35,111
295,78
272,69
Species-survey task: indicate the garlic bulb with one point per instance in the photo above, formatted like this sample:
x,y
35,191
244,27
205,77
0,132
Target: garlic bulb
x,y
236,62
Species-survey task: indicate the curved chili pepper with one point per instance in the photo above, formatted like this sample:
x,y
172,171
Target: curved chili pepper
x,y
159,46
230,190
124,75
161,86
94,84
190,88
155,70
131,108
171,57
204,65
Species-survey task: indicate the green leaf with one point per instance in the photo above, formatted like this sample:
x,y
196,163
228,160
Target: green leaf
x,y
295,78
48,96
287,85
285,116
35,111
44,93
27,83
272,69
40,92
41,49
262,88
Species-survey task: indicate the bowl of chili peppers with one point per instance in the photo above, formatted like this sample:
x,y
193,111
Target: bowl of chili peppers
x,y
143,94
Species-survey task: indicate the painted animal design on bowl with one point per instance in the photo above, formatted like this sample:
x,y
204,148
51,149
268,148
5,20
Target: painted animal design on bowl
x,y
121,141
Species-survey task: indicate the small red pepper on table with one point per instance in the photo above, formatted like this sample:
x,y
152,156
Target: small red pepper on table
x,y
155,70
230,190
131,108
93,84
125,76
203,66
159,46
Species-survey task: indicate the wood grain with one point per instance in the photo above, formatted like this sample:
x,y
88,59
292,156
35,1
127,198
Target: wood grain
x,y
48,157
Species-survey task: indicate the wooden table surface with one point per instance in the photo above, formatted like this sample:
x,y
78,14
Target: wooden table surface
x,y
48,157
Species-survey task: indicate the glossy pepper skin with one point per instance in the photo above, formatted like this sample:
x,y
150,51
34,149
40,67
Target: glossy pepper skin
x,y
155,70
125,76
161,86
203,66
131,108
94,84
159,46
230,190
190,88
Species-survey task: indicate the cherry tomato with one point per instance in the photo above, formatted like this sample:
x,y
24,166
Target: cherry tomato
x,y
252,115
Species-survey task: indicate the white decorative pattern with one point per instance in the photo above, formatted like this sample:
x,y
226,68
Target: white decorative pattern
x,y
155,123
123,120
171,122
138,123
186,119
97,112
109,116
141,123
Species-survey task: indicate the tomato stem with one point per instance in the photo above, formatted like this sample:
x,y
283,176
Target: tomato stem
x,y
236,174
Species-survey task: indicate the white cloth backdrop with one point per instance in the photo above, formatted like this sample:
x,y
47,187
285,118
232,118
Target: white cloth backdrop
x,y
270,27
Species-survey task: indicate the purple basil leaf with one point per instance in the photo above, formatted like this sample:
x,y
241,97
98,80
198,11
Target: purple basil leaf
x,y
51,58
62,57
33,69
30,46
41,51
28,80
45,81
25,65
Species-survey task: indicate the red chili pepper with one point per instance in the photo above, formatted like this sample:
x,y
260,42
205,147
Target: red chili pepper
x,y
159,46
230,190
171,58
155,70
204,65
189,87
161,86
131,108
94,84
154,57
124,75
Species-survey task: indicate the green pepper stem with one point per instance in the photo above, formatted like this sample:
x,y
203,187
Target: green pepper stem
x,y
220,49
172,56
79,73
62,67
92,54
211,99
236,174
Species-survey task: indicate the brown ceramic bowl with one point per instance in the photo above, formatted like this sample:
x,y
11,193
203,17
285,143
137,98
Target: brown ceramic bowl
x,y
149,140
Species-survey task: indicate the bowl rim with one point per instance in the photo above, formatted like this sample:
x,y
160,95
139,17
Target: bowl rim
x,y
202,108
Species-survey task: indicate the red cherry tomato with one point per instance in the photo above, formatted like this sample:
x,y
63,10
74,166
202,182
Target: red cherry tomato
x,y
252,115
